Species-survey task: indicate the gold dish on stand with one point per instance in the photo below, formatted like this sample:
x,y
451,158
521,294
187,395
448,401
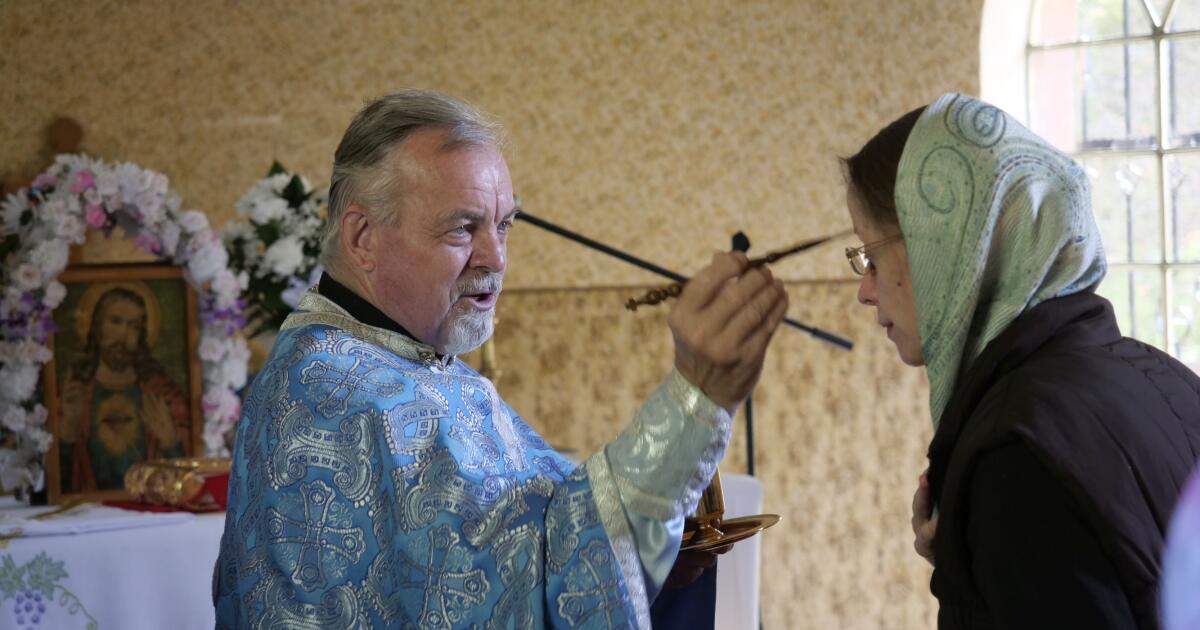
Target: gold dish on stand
x,y
705,529
176,482
732,531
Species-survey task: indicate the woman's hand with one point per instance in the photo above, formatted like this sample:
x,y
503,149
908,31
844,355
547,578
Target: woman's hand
x,y
924,523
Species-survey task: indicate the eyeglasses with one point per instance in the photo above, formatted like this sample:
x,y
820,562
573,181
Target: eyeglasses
x,y
859,261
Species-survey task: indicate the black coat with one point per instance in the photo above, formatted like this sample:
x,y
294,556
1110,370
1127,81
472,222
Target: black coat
x,y
1055,468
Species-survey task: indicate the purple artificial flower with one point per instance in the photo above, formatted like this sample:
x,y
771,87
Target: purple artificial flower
x,y
148,243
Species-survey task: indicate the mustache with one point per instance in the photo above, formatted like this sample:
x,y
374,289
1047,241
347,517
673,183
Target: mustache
x,y
483,283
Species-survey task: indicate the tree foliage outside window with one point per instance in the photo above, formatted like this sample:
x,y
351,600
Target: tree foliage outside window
x,y
1114,83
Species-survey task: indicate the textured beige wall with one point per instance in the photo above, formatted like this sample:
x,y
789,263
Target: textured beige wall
x,y
658,127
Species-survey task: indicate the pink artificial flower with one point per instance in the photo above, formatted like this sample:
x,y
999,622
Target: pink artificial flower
x,y
43,180
148,243
83,181
96,216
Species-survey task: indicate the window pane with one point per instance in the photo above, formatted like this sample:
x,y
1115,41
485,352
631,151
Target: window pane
x,y
1060,21
1125,202
1186,17
1054,97
1183,117
1160,8
1183,200
1185,317
1118,96
1136,297
1094,97
1054,21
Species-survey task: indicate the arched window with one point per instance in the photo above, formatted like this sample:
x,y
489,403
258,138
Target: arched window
x,y
1109,81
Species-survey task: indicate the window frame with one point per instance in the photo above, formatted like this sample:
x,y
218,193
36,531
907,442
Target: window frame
x,y
1005,42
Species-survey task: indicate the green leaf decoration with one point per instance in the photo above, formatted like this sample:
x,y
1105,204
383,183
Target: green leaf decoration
x,y
294,192
11,578
276,169
9,245
44,573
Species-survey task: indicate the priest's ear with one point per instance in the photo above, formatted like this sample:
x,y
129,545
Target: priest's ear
x,y
359,238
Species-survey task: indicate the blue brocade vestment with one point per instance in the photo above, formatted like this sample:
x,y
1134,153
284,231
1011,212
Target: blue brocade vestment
x,y
378,485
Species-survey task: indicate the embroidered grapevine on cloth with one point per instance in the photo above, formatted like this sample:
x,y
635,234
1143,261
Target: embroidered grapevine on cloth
x,y
276,245
36,588
40,223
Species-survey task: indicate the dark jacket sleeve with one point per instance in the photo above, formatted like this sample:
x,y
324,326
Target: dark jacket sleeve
x,y
1035,560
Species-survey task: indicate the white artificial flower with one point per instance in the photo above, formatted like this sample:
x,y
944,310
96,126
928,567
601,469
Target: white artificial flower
x,y
41,439
168,235
251,254
206,257
13,419
70,226
149,206
51,256
55,292
14,205
106,182
267,210
17,381
222,403
279,181
193,221
284,257
296,287
214,439
37,417
28,277
31,352
14,473
231,372
52,209
172,202
227,286
211,349
11,304
128,182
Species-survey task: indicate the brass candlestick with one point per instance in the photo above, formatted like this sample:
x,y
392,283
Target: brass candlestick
x,y
706,528
705,522
663,293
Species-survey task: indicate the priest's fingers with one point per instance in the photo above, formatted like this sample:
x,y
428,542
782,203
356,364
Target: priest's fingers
x,y
705,285
738,294
755,313
758,340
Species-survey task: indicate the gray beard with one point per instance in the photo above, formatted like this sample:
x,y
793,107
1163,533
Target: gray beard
x,y
468,331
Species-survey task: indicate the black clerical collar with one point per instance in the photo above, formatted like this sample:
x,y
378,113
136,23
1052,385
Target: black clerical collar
x,y
356,306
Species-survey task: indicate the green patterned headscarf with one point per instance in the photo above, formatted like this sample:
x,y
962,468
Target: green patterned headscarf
x,y
995,221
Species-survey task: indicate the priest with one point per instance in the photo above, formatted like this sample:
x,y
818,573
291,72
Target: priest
x,y
378,481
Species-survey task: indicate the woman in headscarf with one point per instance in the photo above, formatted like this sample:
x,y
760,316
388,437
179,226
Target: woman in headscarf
x,y
1060,446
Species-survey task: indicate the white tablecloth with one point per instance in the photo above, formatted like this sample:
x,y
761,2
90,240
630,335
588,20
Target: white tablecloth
x,y
157,576
738,570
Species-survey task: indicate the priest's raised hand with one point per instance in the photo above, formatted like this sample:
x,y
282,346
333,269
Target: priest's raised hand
x,y
722,324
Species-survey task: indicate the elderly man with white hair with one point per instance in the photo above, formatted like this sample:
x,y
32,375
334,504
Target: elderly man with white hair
x,y
378,481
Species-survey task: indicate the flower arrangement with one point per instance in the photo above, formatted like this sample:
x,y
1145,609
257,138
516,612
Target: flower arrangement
x,y
276,245
39,224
